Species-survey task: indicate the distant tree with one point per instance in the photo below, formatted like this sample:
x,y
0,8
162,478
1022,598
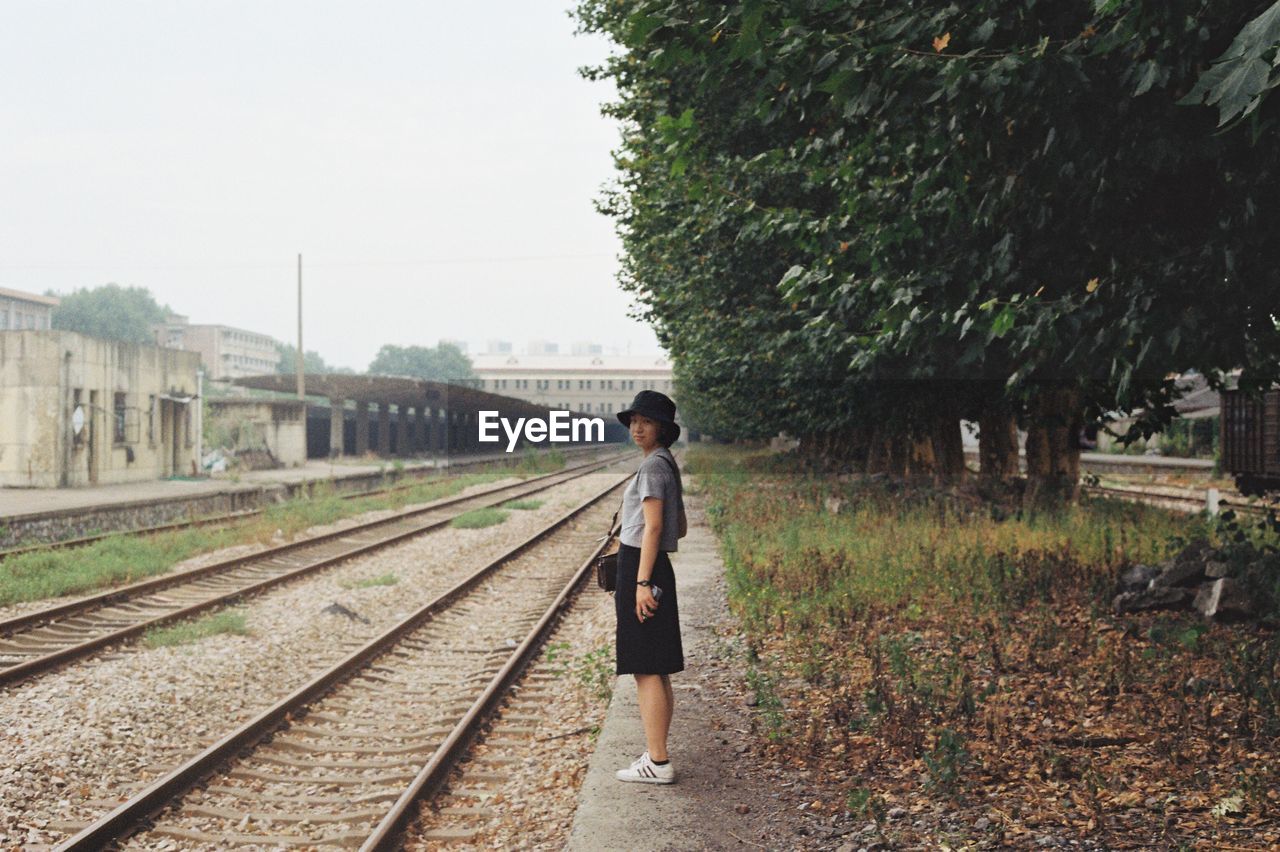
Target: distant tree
x,y
111,312
445,363
312,362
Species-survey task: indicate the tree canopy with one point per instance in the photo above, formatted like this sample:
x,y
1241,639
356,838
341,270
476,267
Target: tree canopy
x,y
842,215
445,363
111,312
312,362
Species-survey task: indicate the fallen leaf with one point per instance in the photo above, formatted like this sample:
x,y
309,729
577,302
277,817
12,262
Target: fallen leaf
x,y
940,43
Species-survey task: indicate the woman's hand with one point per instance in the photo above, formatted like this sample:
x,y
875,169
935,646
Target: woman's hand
x,y
646,604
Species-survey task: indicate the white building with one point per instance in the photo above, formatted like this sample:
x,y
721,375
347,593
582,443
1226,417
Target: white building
x,y
25,311
228,353
592,384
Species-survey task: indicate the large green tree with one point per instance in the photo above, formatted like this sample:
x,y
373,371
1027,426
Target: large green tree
x,y
897,215
312,361
445,363
112,312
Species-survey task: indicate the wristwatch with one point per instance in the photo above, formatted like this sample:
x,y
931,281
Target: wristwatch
x,y
644,582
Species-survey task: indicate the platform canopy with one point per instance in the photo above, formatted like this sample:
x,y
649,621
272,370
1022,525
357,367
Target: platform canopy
x,y
396,390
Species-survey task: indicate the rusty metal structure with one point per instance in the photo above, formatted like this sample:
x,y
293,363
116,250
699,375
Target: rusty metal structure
x,y
1251,440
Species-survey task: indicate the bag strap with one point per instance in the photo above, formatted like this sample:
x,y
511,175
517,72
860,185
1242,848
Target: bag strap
x,y
675,471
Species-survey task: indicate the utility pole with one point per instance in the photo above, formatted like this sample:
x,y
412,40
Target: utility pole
x,y
298,361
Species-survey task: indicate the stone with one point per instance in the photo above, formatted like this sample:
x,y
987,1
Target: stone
x,y
1137,576
1156,597
1224,598
982,824
1179,573
1214,569
897,813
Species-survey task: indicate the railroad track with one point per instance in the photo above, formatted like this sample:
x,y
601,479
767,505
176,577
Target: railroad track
x,y
228,518
44,639
1177,502
342,761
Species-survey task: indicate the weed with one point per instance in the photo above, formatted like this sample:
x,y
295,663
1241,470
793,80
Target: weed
x,y
768,703
479,518
946,761
595,672
523,505
863,802
193,631
368,582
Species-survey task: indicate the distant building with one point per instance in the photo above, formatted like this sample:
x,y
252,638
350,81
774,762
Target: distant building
x,y
586,348
592,384
543,347
460,344
228,353
498,347
77,410
25,311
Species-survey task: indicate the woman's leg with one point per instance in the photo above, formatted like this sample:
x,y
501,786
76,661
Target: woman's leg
x,y
656,705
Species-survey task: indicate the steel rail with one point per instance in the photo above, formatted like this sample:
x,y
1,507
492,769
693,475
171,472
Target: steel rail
x,y
1183,502
436,771
152,584
56,658
160,793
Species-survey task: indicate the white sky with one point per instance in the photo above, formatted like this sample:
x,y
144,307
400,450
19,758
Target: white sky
x,y
435,163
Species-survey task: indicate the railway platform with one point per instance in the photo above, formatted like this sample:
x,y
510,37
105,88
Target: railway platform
x,y
18,502
722,798
29,515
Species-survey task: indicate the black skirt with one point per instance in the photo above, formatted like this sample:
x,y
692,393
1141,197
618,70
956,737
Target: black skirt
x,y
652,646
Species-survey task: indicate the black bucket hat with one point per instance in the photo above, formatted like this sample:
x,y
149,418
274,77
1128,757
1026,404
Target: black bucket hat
x,y
655,406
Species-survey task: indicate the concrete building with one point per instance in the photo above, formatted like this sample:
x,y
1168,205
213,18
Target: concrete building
x,y
20,311
399,416
270,432
228,353
592,384
77,410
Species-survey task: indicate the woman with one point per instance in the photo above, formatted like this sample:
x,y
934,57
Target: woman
x,y
648,618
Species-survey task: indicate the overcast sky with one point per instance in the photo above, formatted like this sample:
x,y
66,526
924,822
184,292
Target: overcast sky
x,y
435,164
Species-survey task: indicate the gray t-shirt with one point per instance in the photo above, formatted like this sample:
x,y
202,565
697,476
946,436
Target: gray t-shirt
x,y
655,478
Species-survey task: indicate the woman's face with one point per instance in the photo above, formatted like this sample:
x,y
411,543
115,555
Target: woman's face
x,y
644,432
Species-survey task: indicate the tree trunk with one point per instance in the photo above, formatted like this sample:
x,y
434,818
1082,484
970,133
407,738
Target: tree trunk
x,y
948,447
997,447
1053,451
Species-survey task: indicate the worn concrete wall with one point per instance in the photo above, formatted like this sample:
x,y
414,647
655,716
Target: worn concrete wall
x,y
279,426
39,374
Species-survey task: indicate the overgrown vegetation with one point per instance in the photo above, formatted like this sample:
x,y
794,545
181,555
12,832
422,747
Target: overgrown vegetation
x,y
479,518
910,643
123,559
523,505
184,633
387,579
592,670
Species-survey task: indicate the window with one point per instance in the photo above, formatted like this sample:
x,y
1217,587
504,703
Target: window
x,y
587,408
119,408
608,385
4,318
151,420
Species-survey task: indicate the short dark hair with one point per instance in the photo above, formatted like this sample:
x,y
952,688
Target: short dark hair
x,y
667,434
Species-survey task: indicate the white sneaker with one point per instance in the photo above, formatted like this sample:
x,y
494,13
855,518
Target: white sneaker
x,y
645,771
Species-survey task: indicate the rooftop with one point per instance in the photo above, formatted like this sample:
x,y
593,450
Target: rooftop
x,y
21,295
